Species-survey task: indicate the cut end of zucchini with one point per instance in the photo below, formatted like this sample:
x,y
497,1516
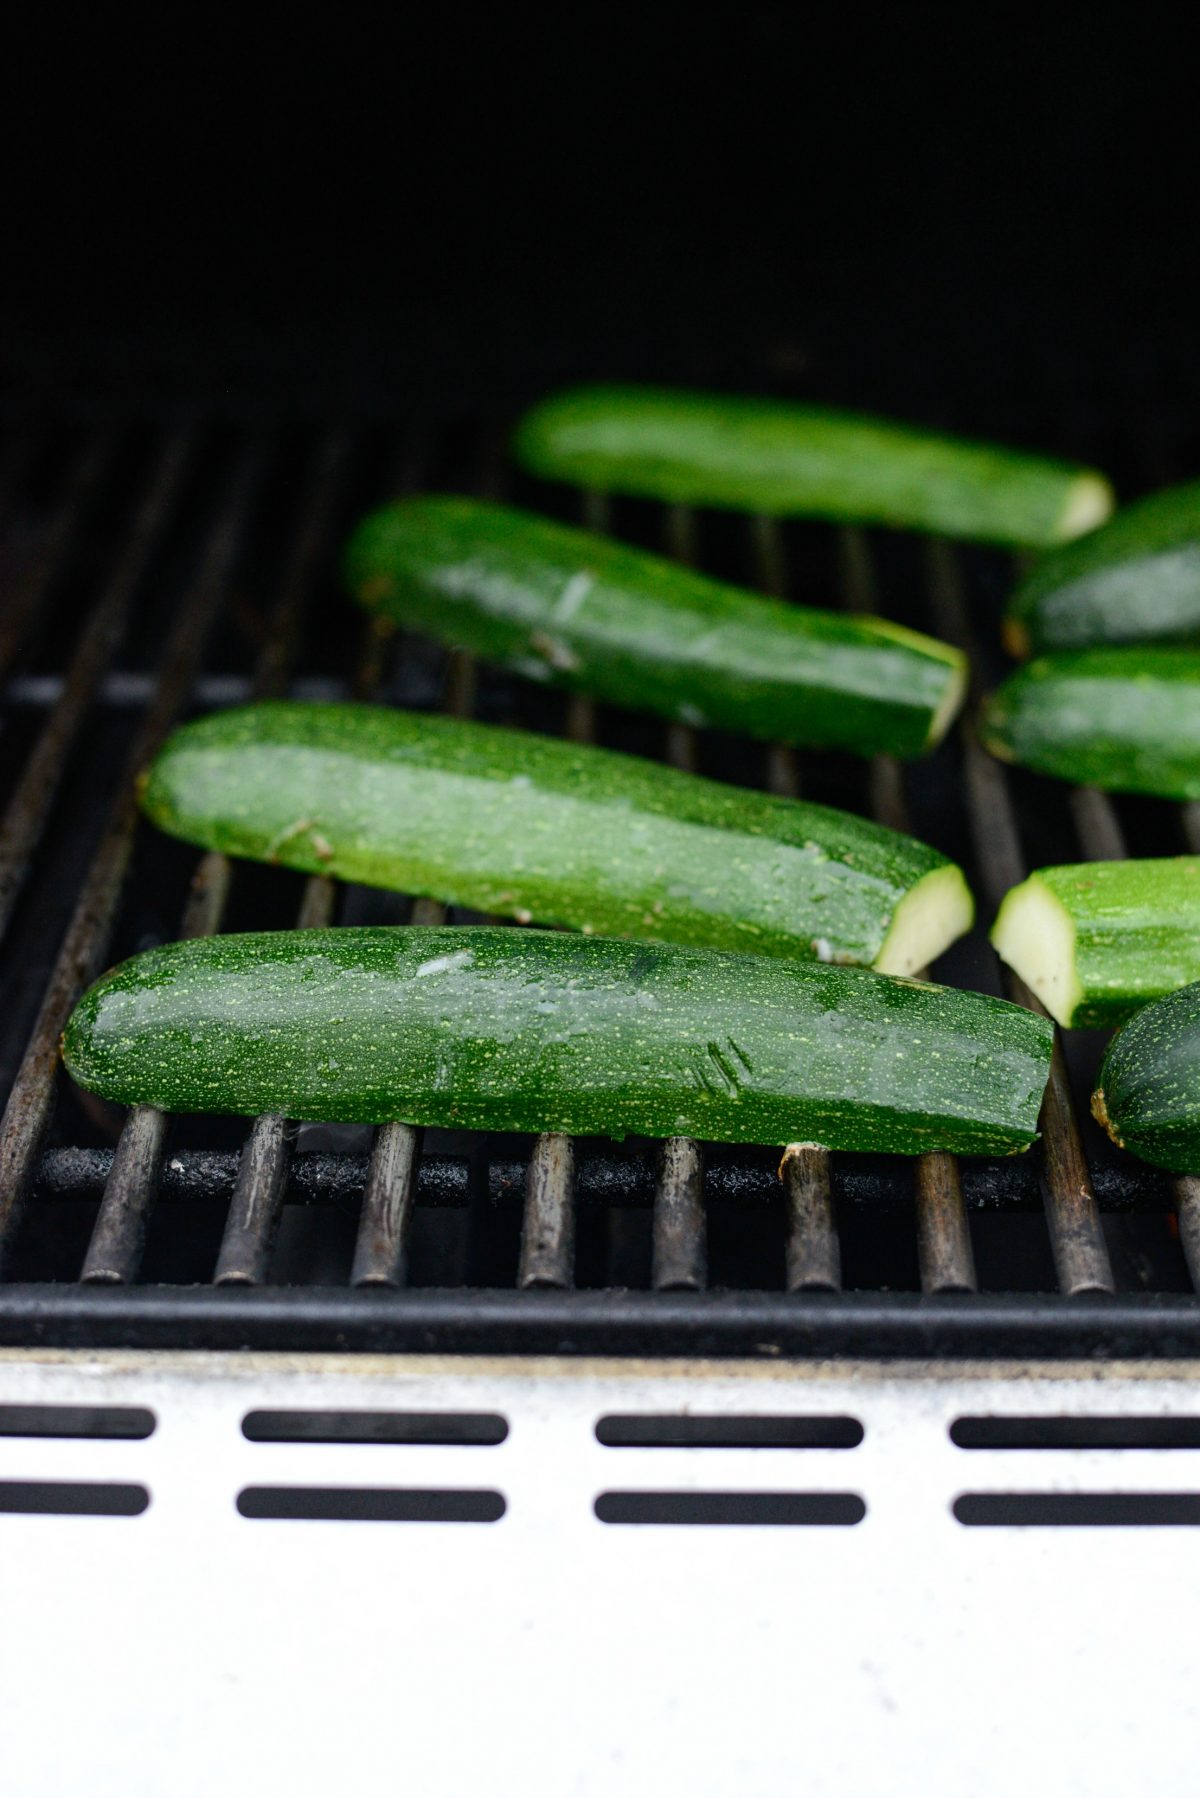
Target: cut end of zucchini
x,y
932,915
1100,1113
1090,500
1035,934
951,702
1015,636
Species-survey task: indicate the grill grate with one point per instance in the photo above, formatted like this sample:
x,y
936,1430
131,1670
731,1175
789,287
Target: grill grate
x,y
159,569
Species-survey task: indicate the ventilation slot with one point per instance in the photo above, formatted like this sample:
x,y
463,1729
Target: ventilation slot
x,y
1078,1510
635,1431
731,1508
477,1429
370,1504
107,1423
1076,1432
71,1498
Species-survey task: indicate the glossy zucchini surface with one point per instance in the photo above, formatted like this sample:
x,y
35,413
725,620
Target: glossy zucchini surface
x,y
564,606
504,1029
535,828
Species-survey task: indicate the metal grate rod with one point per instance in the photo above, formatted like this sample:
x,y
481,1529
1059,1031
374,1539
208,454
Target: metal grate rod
x,y
548,1223
1081,1258
1097,825
680,1257
114,1254
257,1203
944,1254
813,1251
29,807
24,606
87,935
381,1248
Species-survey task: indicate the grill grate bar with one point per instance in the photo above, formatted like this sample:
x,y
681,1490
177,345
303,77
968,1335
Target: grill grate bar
x,y
118,1239
257,1203
114,1254
31,802
813,1251
385,1220
381,1248
1187,1207
1081,1257
944,1254
680,1252
25,604
813,1254
1097,825
87,935
548,1222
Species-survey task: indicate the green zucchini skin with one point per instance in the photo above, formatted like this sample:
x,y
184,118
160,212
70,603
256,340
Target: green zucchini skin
x,y
581,611
782,459
1135,580
1148,1098
1098,940
1126,719
494,1028
533,827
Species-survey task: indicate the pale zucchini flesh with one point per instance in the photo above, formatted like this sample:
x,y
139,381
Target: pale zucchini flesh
x,y
1097,940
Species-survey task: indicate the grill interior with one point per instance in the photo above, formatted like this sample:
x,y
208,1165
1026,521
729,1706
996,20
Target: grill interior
x,y
155,566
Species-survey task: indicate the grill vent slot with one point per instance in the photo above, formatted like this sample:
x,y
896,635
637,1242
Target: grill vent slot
x,y
72,1498
759,1509
1076,1432
100,1423
1078,1510
479,1429
370,1504
683,1431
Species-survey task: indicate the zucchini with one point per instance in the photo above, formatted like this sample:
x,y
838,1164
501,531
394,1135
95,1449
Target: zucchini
x,y
1148,1098
776,457
1127,719
1098,940
560,605
498,1029
1135,580
532,827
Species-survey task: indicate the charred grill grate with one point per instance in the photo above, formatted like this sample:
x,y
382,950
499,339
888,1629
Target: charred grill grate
x,y
150,570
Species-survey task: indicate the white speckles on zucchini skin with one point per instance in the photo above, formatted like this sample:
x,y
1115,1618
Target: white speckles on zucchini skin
x,y
544,1031
1126,719
648,633
530,827
1148,1093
